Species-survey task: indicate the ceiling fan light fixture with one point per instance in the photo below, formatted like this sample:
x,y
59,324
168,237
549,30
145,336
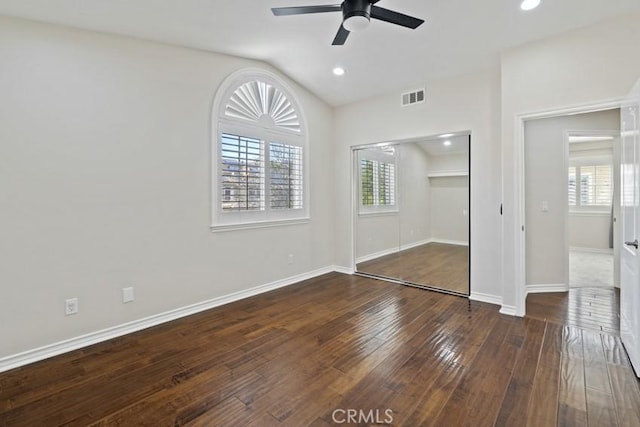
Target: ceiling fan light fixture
x,y
356,15
529,4
355,23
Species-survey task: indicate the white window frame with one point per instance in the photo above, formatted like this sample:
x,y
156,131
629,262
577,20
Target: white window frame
x,y
586,161
382,157
267,132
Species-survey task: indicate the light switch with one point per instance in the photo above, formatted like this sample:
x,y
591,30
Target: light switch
x,y
545,206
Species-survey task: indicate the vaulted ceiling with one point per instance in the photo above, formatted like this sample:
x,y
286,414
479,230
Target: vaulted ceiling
x,y
458,37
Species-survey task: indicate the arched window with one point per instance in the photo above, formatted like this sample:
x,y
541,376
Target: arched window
x,y
260,153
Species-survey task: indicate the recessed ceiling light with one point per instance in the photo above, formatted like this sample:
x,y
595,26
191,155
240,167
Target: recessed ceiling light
x,y
529,4
338,71
446,143
446,135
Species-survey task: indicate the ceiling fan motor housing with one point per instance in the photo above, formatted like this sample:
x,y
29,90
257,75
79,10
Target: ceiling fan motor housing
x,y
356,8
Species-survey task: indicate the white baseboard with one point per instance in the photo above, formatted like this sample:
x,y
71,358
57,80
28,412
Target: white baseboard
x,y
592,250
545,287
375,255
509,310
411,245
415,244
343,270
490,299
450,242
47,351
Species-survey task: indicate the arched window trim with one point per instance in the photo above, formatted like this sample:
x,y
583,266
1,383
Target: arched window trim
x,y
264,130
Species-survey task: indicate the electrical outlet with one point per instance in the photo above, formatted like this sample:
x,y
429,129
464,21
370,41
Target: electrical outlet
x,y
290,259
127,294
71,306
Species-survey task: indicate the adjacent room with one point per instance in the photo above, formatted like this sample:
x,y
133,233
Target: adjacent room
x,y
283,213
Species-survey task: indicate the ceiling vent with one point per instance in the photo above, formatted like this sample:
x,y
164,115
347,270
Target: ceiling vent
x,y
410,98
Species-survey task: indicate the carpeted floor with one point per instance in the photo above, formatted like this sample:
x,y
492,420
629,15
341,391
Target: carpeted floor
x,y
590,269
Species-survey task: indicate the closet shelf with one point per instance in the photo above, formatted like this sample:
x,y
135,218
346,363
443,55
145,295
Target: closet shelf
x,y
441,174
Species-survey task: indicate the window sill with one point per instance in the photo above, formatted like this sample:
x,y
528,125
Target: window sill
x,y
379,213
219,228
586,213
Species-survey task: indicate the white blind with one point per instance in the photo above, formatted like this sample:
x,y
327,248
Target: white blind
x,y
377,183
590,185
285,176
572,186
243,173
596,187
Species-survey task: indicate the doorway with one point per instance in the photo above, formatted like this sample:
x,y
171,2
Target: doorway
x,y
571,208
593,162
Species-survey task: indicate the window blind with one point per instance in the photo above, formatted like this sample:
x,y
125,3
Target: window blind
x,y
285,176
243,173
377,183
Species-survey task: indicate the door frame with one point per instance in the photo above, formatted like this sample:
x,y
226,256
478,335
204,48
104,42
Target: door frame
x,y
519,247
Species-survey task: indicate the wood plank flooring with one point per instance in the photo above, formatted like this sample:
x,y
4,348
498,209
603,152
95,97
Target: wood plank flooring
x,y
335,350
435,264
589,308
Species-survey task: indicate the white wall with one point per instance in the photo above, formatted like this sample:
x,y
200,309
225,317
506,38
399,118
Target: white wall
x,y
450,162
546,181
586,66
457,104
589,231
414,195
449,209
449,199
377,235
105,183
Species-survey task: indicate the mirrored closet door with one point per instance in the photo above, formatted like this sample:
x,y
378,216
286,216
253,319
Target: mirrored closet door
x,y
412,212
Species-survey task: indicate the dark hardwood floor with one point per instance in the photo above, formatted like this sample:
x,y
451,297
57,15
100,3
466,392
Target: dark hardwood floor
x,y
589,308
309,353
438,265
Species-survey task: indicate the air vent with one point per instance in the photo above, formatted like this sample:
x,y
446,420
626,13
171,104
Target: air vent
x,y
410,98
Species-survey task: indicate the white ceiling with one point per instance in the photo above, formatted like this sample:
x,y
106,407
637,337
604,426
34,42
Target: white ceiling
x,y
436,147
458,37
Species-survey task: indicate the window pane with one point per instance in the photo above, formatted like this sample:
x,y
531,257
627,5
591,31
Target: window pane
x,y
242,173
596,185
366,172
377,183
285,176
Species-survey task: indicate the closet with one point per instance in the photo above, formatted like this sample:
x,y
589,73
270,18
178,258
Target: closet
x,y
411,211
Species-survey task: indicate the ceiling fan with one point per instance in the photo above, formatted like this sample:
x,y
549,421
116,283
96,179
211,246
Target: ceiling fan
x,y
356,15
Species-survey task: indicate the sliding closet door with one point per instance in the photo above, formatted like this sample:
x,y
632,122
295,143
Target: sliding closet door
x,y
434,213
412,212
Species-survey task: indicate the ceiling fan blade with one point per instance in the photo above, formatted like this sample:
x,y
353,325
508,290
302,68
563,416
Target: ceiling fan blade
x,y
341,36
299,10
395,17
